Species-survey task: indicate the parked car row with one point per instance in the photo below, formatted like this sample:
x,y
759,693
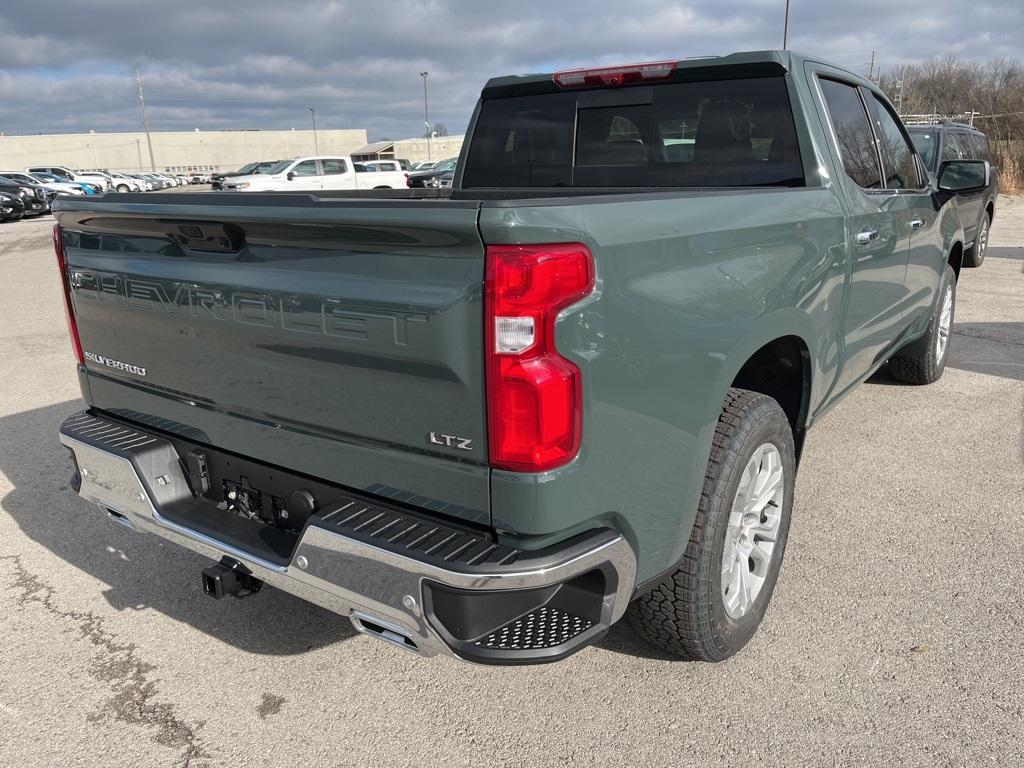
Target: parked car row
x,y
98,182
23,196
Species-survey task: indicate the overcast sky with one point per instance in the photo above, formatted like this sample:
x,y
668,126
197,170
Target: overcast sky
x,y
68,66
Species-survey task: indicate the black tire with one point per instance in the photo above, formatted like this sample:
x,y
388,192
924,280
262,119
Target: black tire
x,y
686,613
921,361
975,255
123,188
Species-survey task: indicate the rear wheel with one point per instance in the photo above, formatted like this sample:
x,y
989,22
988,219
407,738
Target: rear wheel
x,y
123,188
711,606
923,361
976,254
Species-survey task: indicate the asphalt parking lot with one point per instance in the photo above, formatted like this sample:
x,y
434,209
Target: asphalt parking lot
x,y
894,637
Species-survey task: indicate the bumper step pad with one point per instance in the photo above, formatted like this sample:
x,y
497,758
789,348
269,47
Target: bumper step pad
x,y
546,627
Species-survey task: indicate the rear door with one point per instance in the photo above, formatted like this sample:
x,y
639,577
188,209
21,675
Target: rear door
x,y
337,174
332,338
903,175
878,235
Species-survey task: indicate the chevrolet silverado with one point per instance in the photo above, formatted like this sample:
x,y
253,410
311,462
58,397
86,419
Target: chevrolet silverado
x,y
490,421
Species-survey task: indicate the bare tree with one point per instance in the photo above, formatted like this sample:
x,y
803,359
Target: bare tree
x,y
991,95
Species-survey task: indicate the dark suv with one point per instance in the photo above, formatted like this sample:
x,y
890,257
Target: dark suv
x,y
942,142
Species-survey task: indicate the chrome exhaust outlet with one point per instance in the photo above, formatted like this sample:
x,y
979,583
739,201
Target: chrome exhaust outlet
x,y
382,630
118,518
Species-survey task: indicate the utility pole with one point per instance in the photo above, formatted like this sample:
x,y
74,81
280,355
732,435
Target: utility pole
x,y
316,143
785,28
871,70
426,118
903,85
145,120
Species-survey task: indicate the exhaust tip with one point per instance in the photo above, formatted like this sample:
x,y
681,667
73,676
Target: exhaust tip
x,y
374,627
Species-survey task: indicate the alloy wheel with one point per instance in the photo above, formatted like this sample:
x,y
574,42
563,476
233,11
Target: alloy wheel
x,y
753,530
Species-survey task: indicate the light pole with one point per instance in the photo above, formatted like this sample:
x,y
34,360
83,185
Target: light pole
x,y
316,144
145,119
426,117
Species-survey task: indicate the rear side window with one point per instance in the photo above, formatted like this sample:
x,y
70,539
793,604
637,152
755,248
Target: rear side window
x,y
853,132
722,133
897,154
332,167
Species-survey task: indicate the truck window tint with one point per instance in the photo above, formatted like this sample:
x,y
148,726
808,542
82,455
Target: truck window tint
x,y
721,133
305,168
897,154
853,132
333,167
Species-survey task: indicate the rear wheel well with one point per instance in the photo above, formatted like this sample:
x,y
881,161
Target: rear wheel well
x,y
956,258
990,209
781,369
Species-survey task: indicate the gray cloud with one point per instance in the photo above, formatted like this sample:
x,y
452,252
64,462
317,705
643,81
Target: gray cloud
x,y
68,66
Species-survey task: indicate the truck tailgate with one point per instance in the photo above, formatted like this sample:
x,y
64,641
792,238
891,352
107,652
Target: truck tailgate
x,y
330,337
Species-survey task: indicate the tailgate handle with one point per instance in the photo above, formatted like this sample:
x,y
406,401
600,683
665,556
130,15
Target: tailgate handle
x,y
207,236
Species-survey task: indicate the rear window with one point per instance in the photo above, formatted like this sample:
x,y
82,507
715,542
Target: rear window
x,y
716,133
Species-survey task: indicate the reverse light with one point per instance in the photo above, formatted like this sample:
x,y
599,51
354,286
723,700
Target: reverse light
x,y
69,310
625,74
534,395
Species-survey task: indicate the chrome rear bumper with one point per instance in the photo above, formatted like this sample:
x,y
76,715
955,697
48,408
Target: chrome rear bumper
x,y
439,592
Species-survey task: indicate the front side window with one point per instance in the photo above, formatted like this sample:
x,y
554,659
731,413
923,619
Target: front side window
x,y
305,168
853,132
926,143
721,133
333,167
897,154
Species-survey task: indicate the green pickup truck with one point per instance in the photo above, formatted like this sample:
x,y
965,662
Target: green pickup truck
x,y
490,421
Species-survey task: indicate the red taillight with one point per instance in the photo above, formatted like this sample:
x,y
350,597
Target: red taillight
x,y
69,310
534,395
596,77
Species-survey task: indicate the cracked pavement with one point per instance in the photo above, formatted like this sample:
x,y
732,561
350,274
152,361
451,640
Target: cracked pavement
x,y
894,635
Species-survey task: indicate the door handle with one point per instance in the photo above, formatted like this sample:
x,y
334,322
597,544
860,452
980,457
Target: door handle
x,y
915,223
866,236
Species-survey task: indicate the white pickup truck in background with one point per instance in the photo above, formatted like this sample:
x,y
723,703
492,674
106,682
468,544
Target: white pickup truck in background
x,y
316,173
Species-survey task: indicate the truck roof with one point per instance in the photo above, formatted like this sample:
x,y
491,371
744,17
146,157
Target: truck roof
x,y
754,62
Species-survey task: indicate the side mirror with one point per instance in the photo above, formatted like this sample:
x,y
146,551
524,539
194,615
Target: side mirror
x,y
291,175
959,176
